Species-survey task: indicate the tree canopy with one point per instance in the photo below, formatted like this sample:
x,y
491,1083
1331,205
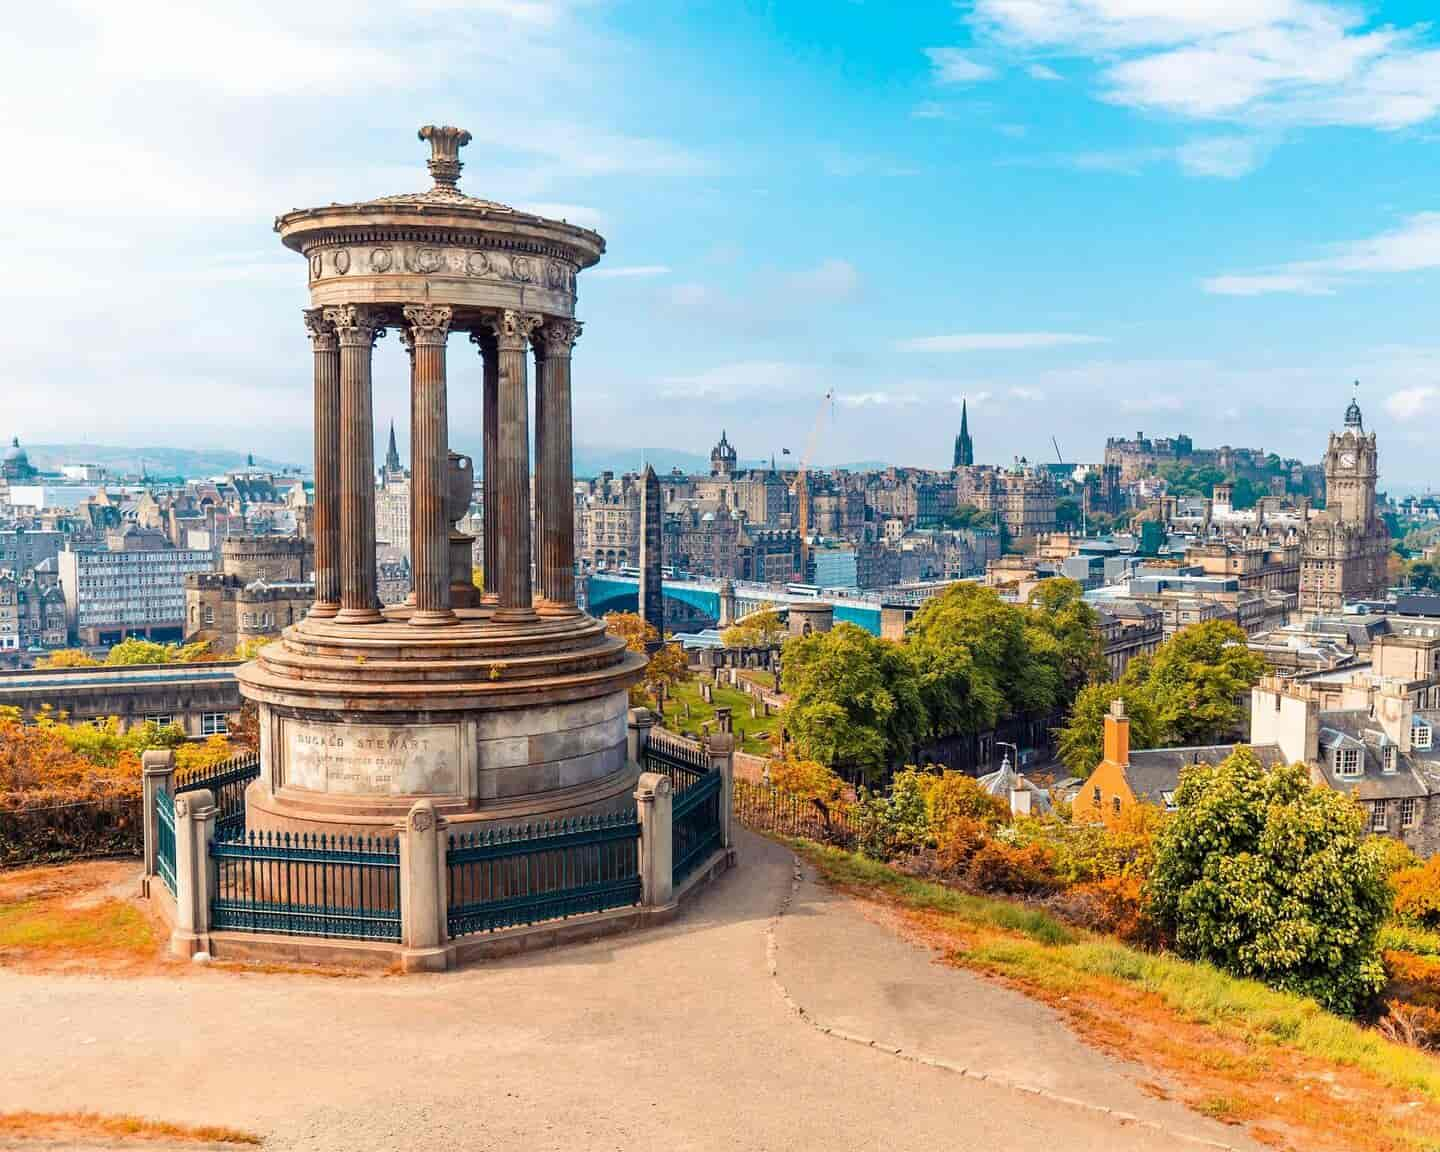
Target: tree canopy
x,y
1190,692
1265,876
855,699
759,630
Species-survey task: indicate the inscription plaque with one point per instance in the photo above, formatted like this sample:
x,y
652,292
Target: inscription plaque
x,y
372,759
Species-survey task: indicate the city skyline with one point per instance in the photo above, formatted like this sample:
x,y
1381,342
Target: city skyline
x,y
1081,218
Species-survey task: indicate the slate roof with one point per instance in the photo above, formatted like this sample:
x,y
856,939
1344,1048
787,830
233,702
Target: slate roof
x,y
1152,772
1355,728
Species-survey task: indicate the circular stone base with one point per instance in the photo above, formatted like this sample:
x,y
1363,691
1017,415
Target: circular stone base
x,y
488,721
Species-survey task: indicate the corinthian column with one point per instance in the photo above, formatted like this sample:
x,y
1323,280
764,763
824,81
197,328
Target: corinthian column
x,y
484,339
327,463
512,468
555,469
357,328
429,459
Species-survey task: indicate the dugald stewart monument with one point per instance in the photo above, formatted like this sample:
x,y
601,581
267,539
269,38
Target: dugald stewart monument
x,y
504,706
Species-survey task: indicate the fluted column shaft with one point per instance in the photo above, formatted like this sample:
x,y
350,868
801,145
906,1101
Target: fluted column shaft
x,y
555,469
357,328
512,468
429,460
326,522
490,432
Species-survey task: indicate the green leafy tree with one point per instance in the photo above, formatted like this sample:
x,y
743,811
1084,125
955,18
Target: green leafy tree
x,y
138,651
896,823
1267,877
1067,514
756,631
854,699
1064,631
1198,681
975,661
1423,574
1081,739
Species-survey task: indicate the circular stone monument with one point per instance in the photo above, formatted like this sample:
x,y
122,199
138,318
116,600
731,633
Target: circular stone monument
x,y
508,706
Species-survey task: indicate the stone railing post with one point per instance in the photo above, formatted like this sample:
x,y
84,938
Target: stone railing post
x,y
655,803
637,734
195,875
158,772
422,890
721,748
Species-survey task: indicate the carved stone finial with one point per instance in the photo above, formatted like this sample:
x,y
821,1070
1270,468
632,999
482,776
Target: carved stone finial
x,y
445,145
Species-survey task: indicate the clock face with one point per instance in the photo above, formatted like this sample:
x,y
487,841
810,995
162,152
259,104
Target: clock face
x,y
1347,459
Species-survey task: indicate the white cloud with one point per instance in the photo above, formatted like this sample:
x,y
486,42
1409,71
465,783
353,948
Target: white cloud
x,y
952,66
1300,62
1408,403
877,399
1412,247
740,379
1043,72
1152,402
832,279
1021,392
931,110
1226,157
628,272
997,341
971,397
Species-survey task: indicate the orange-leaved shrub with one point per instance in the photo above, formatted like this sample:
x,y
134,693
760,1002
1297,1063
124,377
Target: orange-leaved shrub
x,y
1417,894
1017,869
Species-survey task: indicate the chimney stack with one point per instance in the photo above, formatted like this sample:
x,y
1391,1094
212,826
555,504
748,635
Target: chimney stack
x,y
1117,734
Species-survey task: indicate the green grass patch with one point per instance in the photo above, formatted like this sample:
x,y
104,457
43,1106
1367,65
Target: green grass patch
x,y
1398,938
110,926
1034,947
752,735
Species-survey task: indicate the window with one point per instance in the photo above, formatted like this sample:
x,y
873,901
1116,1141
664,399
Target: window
x,y
1347,762
1420,734
1407,812
209,614
213,724
160,719
1096,797
1389,760
1115,804
1379,817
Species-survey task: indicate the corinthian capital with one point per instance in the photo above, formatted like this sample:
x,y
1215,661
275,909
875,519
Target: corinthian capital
x,y
512,329
355,324
428,323
322,332
557,337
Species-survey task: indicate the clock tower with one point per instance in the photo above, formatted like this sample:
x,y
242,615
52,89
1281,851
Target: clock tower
x,y
1347,545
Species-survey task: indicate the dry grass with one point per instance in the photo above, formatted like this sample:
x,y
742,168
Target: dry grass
x,y
78,917
81,1128
1292,1074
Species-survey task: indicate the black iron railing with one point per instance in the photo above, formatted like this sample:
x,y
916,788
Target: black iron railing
x,y
303,885
505,877
696,823
228,781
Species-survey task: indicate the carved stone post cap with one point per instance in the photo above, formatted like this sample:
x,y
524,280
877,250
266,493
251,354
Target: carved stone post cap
x,y
445,145
651,785
157,761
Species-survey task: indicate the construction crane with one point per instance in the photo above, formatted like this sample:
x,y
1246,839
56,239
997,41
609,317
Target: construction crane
x,y
1058,455
802,482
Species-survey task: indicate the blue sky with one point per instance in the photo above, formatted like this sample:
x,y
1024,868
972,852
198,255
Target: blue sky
x,y
1086,216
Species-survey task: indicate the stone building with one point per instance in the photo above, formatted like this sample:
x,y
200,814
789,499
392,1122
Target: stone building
x,y
1129,628
607,528
1023,498
135,586
262,587
15,466
42,610
1372,742
1347,545
392,505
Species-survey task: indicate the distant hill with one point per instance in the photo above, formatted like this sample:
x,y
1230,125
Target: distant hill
x,y
158,460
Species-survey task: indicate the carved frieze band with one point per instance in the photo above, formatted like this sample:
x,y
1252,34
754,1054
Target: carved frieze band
x,y
434,259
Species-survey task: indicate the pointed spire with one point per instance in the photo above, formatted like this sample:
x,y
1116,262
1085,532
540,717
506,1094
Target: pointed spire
x,y
392,454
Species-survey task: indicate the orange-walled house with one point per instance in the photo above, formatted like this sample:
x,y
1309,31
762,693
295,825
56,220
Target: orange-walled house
x,y
1123,778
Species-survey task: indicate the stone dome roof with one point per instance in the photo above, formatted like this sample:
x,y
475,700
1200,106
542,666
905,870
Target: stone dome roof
x,y
15,454
1353,419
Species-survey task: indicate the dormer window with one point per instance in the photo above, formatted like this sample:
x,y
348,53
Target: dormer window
x,y
1420,734
1347,762
1388,757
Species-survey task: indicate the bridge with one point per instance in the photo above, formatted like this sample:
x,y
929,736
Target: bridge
x,y
693,602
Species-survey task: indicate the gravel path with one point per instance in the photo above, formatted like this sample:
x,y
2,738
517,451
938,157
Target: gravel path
x,y
685,1037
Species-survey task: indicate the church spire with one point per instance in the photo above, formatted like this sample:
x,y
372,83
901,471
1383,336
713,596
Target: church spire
x,y
392,454
964,448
